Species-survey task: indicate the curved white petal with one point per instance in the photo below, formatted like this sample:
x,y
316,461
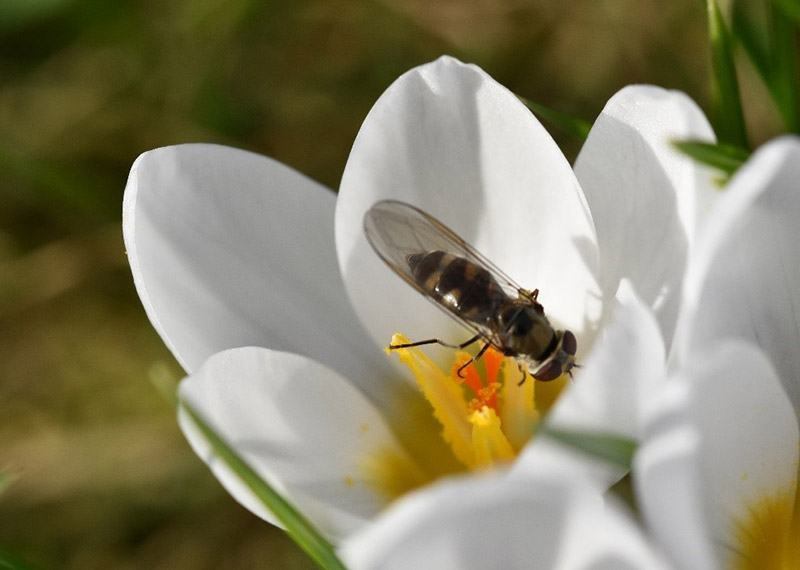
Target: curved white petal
x,y
607,396
727,441
229,248
449,139
669,495
645,197
744,280
549,521
306,431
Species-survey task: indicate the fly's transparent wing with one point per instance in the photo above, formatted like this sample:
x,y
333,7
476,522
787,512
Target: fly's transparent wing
x,y
397,230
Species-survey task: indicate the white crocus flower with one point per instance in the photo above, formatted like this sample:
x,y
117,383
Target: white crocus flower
x,y
717,474
281,330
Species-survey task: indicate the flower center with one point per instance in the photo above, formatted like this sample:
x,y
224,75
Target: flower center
x,y
487,416
768,538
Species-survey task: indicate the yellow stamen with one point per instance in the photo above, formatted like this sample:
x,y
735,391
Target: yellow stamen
x,y
489,443
487,417
445,396
518,410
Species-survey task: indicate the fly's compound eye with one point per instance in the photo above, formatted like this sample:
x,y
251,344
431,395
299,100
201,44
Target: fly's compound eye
x,y
562,362
550,371
568,343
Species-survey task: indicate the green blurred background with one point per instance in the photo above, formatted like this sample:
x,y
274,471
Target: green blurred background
x,y
104,478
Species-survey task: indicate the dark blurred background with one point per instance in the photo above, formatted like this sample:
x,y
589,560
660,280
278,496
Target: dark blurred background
x,y
104,478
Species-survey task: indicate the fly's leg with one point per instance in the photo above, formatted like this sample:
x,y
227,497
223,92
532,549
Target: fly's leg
x,y
532,297
471,360
464,344
524,373
437,341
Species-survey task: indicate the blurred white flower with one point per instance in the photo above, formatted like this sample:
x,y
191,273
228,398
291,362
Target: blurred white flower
x,y
281,330
717,471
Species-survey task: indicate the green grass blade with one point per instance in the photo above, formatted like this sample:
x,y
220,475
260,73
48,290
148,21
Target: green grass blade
x,y
783,82
613,449
752,39
729,116
566,122
297,526
726,158
771,46
11,562
791,8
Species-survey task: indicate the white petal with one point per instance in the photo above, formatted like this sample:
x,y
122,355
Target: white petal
x,y
743,448
302,427
229,248
669,496
624,371
644,195
547,522
744,281
449,139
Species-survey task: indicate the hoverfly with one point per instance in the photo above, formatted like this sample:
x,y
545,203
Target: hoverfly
x,y
462,282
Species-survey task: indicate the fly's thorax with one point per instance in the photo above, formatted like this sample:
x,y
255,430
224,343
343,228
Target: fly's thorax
x,y
525,331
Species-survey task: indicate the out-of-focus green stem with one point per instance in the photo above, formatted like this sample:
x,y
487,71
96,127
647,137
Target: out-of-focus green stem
x,y
783,79
614,449
297,526
726,158
572,125
730,125
773,51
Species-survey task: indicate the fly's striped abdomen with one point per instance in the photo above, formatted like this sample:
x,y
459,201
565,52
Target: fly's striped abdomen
x,y
456,282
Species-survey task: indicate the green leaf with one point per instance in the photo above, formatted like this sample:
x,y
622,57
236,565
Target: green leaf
x,y
11,562
614,449
728,103
297,526
572,125
726,158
